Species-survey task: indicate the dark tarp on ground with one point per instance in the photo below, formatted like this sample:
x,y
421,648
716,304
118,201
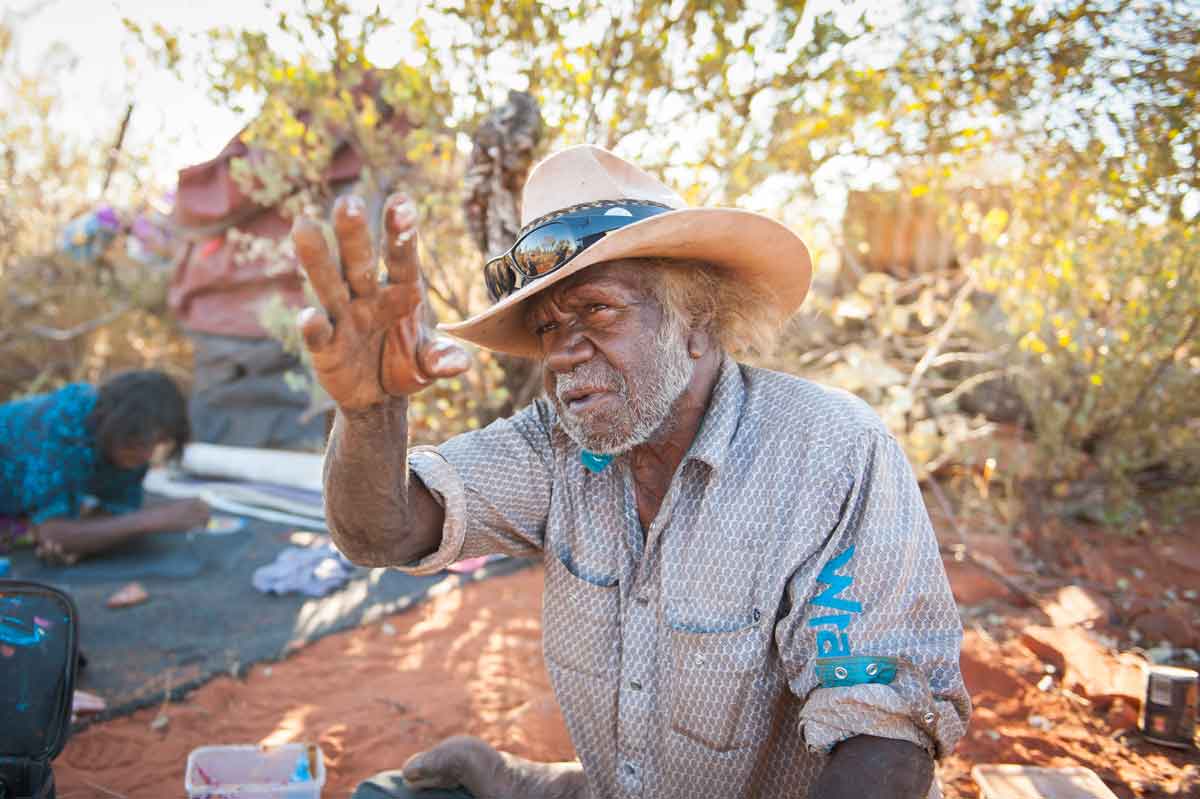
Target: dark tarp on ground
x,y
204,618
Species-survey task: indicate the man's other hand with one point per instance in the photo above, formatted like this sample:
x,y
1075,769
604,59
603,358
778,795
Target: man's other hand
x,y
484,771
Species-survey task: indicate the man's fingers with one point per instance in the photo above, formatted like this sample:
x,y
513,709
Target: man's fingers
x,y
430,770
461,760
400,240
396,301
319,265
441,358
354,245
315,328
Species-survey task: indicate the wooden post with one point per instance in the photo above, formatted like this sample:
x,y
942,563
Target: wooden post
x,y
113,152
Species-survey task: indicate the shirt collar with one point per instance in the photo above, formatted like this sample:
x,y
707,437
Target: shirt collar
x,y
715,438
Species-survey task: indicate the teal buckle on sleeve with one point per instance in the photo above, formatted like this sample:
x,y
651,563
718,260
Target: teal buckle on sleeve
x,y
856,670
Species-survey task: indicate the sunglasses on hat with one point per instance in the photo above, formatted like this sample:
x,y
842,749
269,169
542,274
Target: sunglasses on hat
x,y
549,243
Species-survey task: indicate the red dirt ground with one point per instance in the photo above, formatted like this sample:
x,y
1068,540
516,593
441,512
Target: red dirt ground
x,y
470,661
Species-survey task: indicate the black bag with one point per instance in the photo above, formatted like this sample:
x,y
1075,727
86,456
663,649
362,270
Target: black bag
x,y
39,650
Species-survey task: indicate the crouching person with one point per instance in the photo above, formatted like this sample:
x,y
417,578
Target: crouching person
x,y
743,596
72,464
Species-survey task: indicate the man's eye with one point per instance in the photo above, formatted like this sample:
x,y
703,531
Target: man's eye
x,y
543,329
597,307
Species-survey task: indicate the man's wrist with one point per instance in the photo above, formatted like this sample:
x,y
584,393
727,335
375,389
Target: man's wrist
x,y
866,765
381,414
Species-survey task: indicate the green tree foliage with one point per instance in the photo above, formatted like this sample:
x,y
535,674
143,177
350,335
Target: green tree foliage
x,y
1093,256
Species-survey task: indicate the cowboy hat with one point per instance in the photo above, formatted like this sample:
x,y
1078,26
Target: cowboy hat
x,y
754,247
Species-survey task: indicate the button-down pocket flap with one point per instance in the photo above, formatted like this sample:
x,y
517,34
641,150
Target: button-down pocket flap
x,y
711,678
580,621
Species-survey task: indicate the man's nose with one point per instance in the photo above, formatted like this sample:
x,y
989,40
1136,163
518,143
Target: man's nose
x,y
568,350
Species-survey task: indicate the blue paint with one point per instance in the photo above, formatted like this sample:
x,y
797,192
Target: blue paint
x,y
837,584
594,463
5,565
835,642
18,633
301,773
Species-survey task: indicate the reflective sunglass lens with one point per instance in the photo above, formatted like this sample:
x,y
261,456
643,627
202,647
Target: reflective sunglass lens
x,y
545,249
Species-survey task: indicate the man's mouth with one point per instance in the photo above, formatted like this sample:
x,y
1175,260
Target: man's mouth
x,y
584,397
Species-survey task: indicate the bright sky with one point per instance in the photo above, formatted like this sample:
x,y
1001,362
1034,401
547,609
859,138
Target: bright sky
x,y
176,117
174,120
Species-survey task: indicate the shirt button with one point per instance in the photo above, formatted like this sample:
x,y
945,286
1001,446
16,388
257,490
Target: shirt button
x,y
635,685
629,769
871,669
929,718
642,599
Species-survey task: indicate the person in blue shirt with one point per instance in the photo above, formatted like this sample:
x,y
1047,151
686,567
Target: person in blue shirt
x,y
72,463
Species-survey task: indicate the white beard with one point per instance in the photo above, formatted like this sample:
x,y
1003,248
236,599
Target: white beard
x,y
649,396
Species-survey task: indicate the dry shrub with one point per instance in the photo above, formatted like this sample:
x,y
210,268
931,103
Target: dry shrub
x,y
62,321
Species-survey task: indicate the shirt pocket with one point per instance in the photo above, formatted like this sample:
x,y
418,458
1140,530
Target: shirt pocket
x,y
713,677
580,621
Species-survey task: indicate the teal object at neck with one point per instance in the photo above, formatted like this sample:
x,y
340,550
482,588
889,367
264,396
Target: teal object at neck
x,y
594,463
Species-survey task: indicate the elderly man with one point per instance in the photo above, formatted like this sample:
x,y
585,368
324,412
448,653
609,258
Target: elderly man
x,y
743,596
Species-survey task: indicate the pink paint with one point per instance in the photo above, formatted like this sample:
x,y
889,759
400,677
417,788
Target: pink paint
x,y
7,651
43,623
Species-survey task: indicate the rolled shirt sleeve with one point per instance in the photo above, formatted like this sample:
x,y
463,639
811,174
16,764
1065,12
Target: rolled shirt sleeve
x,y
494,485
873,644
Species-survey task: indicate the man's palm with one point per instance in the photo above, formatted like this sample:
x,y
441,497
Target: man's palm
x,y
369,340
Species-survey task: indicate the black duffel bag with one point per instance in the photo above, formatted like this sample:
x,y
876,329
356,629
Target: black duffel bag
x,y
39,650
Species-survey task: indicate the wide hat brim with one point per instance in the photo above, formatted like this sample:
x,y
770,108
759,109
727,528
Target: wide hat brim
x,y
750,246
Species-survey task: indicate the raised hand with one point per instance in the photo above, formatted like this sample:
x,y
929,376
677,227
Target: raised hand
x,y
369,340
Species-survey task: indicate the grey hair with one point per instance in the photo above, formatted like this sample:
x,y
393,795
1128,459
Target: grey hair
x,y
697,294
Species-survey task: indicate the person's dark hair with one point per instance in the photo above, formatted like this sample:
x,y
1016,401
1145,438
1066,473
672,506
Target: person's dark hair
x,y
139,406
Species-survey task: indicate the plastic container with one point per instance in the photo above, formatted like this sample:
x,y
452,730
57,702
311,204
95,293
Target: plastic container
x,y
290,771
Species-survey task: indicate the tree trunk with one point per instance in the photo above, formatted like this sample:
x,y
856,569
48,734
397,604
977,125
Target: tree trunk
x,y
505,144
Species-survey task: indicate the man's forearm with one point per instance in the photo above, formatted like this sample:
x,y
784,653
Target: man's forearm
x,y
878,767
377,516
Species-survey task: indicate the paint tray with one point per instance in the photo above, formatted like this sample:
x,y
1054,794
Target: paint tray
x,y
290,771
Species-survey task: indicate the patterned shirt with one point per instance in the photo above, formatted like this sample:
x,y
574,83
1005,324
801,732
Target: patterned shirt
x,y
788,595
49,460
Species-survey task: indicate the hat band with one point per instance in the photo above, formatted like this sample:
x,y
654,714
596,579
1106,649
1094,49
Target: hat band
x,y
550,242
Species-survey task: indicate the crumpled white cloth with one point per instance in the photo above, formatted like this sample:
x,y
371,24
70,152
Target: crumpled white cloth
x,y
313,571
